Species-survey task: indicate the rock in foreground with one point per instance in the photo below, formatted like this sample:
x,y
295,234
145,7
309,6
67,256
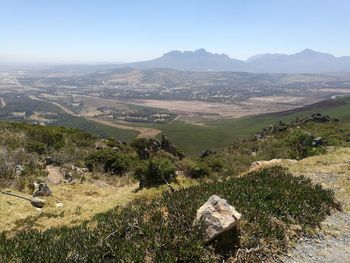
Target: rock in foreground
x,y
216,217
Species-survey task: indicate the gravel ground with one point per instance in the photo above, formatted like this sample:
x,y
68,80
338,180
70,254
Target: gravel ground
x,y
327,247
333,241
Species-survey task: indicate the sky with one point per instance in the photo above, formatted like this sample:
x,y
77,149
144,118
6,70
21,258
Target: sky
x,y
86,31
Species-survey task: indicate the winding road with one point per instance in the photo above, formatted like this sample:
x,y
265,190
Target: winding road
x,y
144,132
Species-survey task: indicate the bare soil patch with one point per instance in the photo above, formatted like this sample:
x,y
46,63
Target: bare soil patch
x,y
211,110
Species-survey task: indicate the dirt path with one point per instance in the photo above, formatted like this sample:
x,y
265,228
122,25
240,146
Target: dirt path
x,y
55,176
144,131
332,244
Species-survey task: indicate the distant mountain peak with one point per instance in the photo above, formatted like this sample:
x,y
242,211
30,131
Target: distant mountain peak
x,y
201,51
306,61
308,51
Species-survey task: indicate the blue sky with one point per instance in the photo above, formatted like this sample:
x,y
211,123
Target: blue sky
x,y
130,30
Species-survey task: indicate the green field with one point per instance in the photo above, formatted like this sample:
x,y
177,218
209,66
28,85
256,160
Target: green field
x,y
216,134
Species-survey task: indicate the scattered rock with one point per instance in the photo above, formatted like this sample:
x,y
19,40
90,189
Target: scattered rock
x,y
165,143
41,189
68,176
80,170
216,217
156,145
280,127
37,202
207,153
317,141
19,170
49,160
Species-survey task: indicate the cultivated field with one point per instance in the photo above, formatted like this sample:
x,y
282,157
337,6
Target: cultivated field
x,y
190,110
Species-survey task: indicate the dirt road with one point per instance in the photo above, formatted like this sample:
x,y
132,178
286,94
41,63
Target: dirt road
x,y
144,131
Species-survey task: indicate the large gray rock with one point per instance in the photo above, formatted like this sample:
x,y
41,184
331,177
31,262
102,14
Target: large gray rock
x,y
216,217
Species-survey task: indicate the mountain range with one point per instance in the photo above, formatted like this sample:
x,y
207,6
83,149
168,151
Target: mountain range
x,y
306,61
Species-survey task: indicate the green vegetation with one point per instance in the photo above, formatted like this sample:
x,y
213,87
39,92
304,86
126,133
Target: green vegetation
x,y
27,146
193,139
158,171
161,230
110,160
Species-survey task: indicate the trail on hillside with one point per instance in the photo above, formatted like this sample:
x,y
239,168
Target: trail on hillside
x,y
144,132
54,174
332,243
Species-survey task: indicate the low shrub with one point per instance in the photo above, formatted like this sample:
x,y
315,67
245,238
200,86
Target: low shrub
x,y
272,201
37,147
158,171
300,145
112,161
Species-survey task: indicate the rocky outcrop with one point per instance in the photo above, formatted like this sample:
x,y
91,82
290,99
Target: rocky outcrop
x,y
41,189
216,217
207,153
281,126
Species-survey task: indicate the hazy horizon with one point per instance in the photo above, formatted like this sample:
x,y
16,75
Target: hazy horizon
x,y
59,32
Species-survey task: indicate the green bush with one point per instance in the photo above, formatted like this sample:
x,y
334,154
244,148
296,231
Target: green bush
x,y
300,145
48,136
112,161
37,147
158,171
140,144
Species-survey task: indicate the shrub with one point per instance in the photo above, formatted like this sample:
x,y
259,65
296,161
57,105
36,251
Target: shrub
x,y
112,161
158,171
37,147
140,144
48,136
300,145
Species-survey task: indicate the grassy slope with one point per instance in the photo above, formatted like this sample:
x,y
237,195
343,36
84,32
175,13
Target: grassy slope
x,y
194,139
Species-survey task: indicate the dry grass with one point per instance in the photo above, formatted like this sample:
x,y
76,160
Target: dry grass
x,y
73,203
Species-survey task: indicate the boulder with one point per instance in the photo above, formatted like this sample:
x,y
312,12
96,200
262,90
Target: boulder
x,y
39,203
49,160
207,153
41,189
216,217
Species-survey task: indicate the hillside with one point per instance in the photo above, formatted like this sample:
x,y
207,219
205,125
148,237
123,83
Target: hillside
x,y
89,176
